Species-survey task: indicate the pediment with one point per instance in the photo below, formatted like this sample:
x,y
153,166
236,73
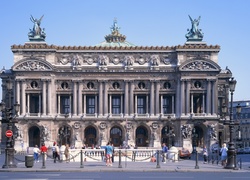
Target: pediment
x,y
199,65
32,65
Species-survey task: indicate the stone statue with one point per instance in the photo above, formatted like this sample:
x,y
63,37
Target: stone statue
x,y
194,33
212,132
186,131
37,33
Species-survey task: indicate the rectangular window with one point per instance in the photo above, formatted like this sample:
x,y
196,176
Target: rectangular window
x,y
65,104
116,104
141,104
90,104
34,103
167,104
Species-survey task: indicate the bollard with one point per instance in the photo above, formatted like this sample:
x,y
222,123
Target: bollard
x,y
196,163
43,164
120,165
81,165
158,159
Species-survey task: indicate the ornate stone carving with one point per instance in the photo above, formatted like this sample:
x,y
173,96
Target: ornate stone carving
x,y
103,60
186,131
129,60
199,65
155,60
33,65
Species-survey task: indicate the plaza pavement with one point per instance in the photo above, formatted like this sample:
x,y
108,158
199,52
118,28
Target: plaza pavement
x,y
127,166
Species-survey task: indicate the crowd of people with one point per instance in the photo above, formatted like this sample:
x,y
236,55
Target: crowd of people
x,y
109,153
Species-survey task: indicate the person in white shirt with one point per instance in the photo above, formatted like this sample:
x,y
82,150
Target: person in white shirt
x,y
36,152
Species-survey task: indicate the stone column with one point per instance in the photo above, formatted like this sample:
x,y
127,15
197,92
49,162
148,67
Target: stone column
x,y
18,92
214,97
44,103
80,86
208,104
74,97
28,104
188,87
152,98
135,105
157,97
105,99
100,98
173,108
131,99
59,104
49,97
126,98
84,105
192,104
182,100
23,98
40,105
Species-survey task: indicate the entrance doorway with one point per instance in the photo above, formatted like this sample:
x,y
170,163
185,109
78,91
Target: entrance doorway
x,y
90,136
34,136
200,136
64,135
142,137
116,136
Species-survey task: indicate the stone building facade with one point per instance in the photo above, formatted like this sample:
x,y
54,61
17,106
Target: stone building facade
x,y
118,92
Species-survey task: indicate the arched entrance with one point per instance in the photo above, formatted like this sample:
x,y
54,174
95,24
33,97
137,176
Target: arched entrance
x,y
34,136
167,134
116,136
141,137
90,136
199,137
64,133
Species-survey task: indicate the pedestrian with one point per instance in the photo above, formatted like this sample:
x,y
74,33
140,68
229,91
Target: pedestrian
x,y
36,152
153,159
54,150
44,150
113,153
66,153
205,154
109,151
223,152
57,155
164,153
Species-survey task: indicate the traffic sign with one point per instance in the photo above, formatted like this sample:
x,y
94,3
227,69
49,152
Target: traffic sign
x,y
9,133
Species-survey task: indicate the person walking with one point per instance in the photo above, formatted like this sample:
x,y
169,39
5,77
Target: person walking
x,y
205,154
36,152
66,153
44,150
56,152
223,152
164,153
109,152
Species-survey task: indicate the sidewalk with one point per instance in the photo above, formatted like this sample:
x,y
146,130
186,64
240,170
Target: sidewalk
x,y
180,166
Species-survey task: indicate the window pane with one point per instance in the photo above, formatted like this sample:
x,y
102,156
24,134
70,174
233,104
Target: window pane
x,y
116,104
90,104
141,104
65,104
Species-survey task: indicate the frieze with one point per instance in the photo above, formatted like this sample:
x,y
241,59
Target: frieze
x,y
200,65
33,65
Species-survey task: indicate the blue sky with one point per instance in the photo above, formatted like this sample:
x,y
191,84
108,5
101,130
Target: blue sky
x,y
144,22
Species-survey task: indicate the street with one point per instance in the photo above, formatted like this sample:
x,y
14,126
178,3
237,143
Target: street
x,y
121,175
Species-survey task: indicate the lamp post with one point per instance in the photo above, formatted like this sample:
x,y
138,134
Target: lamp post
x,y
231,154
10,142
195,136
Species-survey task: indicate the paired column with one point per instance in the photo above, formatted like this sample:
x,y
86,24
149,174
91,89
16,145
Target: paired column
x,y
152,98
44,95
126,98
131,99
100,98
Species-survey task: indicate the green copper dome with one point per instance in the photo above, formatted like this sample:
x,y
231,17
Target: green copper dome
x,y
115,39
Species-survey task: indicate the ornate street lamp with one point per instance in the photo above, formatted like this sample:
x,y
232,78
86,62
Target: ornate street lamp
x,y
231,154
10,142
